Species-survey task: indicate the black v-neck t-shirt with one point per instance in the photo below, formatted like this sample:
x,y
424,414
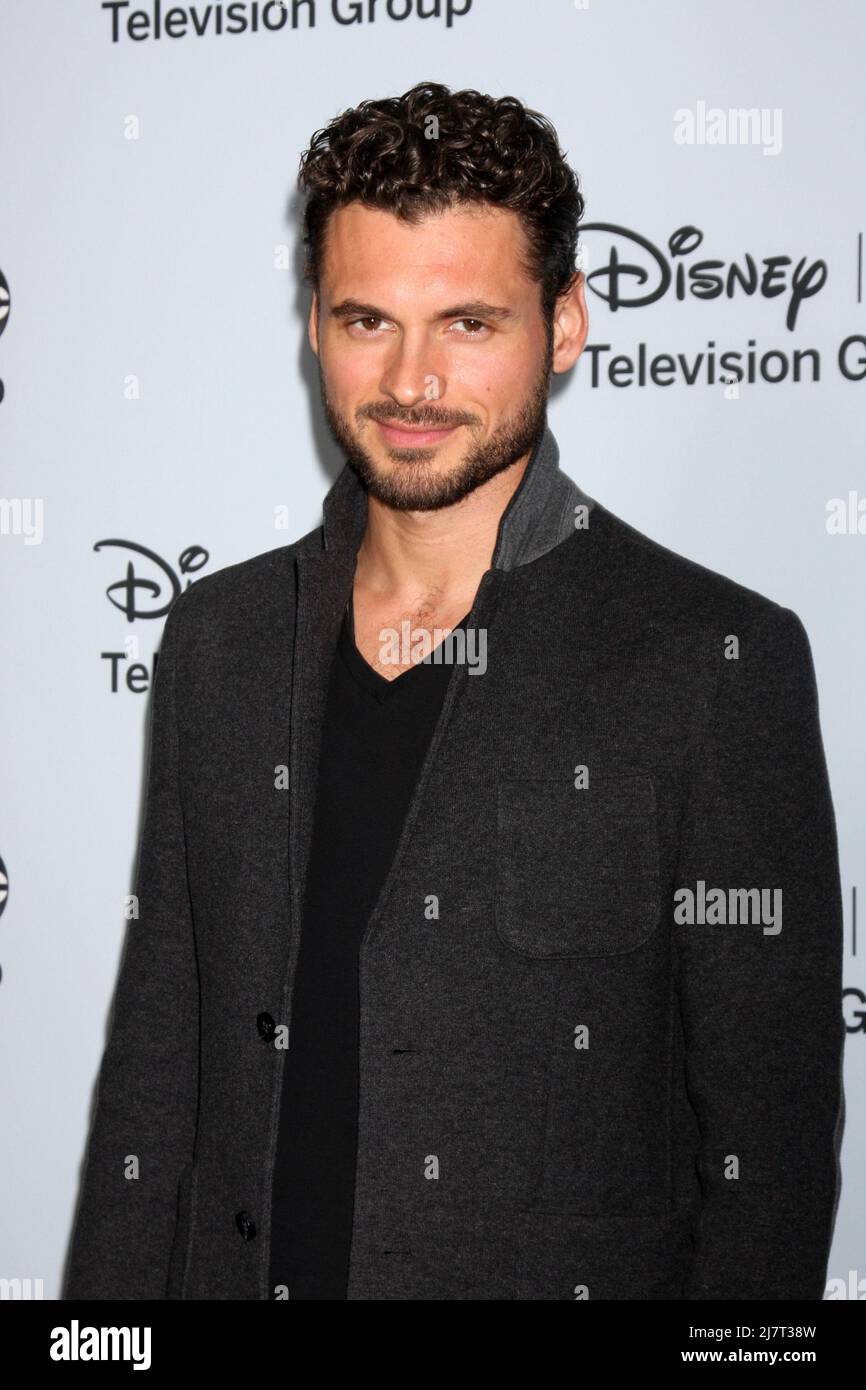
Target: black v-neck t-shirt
x,y
375,735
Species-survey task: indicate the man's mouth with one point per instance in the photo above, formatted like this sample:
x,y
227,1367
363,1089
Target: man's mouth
x,y
414,434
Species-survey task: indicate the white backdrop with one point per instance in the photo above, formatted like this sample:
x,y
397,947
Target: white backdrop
x,y
158,390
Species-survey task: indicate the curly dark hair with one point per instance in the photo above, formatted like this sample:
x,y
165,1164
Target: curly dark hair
x,y
432,149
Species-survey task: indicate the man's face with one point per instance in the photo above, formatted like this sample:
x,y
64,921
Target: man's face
x,y
433,325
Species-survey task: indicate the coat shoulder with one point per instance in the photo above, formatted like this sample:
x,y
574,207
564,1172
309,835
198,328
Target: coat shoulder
x,y
670,591
262,583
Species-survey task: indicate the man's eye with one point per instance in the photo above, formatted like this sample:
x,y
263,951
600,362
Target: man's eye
x,y
368,318
477,322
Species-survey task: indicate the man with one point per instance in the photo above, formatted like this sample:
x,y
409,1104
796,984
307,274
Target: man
x,y
511,973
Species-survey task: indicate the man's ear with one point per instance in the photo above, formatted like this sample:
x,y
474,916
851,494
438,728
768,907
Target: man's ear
x,y
313,323
570,325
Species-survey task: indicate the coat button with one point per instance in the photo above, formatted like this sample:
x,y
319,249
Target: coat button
x,y
246,1225
266,1026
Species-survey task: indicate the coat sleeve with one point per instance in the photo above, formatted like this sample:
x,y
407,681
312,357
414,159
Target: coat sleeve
x,y
142,1137
761,1004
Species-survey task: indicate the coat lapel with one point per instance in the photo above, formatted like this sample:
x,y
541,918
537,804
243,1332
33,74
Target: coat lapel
x,y
324,583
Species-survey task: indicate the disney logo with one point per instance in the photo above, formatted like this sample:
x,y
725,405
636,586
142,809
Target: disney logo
x,y
189,561
618,279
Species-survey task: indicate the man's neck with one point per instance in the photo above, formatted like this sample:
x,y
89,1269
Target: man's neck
x,y
433,559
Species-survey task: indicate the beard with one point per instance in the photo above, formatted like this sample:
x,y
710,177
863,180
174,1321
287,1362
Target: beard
x,y
413,483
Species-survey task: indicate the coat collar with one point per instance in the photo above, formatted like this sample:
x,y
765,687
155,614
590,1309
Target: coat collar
x,y
539,515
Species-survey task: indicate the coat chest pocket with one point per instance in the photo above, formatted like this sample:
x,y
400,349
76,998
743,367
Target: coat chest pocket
x,y
577,871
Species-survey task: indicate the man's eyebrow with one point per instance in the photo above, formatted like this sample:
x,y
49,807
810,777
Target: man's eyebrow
x,y
474,309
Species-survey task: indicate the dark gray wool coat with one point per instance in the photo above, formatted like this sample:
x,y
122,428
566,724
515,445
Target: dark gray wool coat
x,y
566,1090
